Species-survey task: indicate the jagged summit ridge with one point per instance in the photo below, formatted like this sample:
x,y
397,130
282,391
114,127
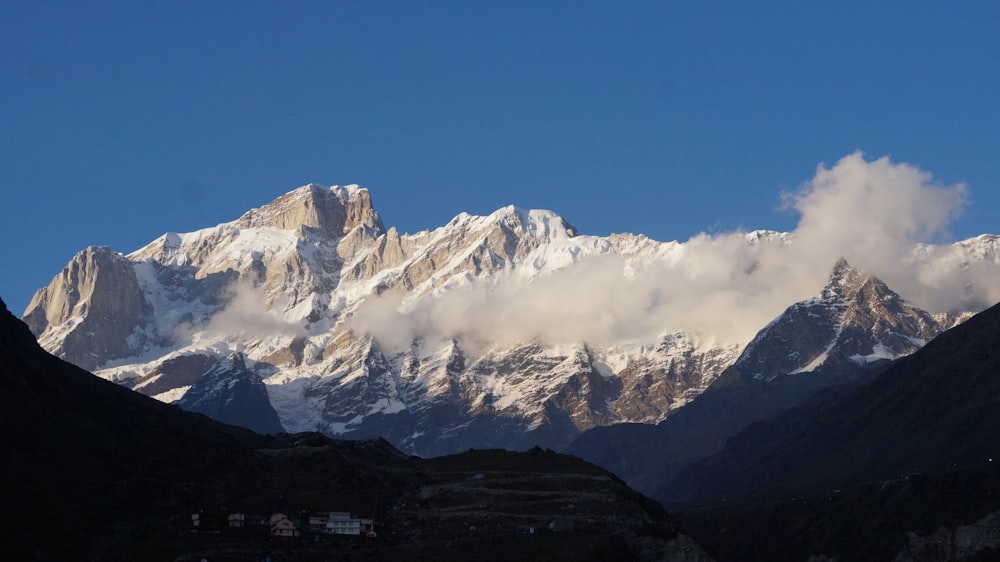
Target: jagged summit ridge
x,y
287,285
856,317
91,309
845,281
230,392
333,211
281,284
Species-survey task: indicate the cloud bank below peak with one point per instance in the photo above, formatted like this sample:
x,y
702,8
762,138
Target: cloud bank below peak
x,y
721,286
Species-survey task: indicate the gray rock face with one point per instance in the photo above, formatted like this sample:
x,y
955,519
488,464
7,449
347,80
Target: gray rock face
x,y
329,212
675,373
946,545
93,311
854,321
231,393
172,373
855,318
290,284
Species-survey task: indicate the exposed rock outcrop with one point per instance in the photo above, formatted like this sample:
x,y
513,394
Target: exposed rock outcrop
x,y
360,331
854,322
331,212
947,545
92,312
856,318
233,394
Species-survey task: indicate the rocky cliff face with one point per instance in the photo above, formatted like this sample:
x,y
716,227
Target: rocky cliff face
x,y
854,322
291,284
281,284
856,318
327,212
93,311
93,452
229,392
959,543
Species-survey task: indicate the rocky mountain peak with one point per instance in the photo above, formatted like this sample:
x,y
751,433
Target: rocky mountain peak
x,y
298,284
856,318
96,302
332,211
845,281
231,392
535,223
237,362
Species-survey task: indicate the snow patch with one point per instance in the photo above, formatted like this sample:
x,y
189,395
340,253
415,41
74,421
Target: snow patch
x,y
172,395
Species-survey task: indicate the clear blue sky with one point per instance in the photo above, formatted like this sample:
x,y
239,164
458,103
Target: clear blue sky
x,y
124,120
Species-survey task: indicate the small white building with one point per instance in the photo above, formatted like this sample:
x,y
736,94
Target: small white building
x,y
341,523
282,526
318,521
368,528
237,520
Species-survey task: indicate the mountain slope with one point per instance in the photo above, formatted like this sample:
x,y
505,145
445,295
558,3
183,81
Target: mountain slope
x,y
86,448
841,334
862,472
931,412
230,393
856,318
507,330
104,473
285,284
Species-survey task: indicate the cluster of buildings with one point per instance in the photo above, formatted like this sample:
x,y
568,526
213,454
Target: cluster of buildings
x,y
341,523
282,525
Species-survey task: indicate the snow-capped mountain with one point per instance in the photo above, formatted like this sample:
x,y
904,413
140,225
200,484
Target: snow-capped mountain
x,y
855,318
229,392
855,323
426,339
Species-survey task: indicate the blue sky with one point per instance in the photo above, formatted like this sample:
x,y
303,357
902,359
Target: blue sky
x,y
124,120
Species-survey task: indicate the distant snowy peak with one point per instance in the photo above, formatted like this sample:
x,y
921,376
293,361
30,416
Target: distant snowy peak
x,y
230,392
332,211
855,318
845,281
310,213
982,248
757,237
470,334
985,247
534,223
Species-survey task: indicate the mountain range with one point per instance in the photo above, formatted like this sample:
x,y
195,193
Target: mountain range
x,y
139,467
911,446
853,326
308,314
852,426
932,411
97,472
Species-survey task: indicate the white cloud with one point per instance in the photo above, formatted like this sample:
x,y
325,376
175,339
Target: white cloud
x,y
249,312
722,287
872,213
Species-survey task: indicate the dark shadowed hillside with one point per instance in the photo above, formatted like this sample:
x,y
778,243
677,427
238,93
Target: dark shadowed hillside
x,y
850,471
98,472
647,456
842,334
935,411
